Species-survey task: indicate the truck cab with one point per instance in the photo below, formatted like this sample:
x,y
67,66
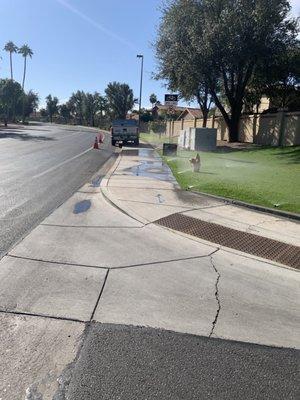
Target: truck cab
x,y
125,131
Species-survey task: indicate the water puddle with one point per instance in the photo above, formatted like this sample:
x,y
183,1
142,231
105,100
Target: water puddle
x,y
82,206
151,167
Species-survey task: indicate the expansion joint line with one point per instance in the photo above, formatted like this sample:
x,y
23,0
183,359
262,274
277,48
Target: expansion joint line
x,y
99,297
216,295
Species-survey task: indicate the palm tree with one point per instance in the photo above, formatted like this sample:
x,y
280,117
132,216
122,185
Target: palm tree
x,y
26,51
11,48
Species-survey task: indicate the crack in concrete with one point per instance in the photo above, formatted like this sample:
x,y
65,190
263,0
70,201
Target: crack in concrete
x,y
216,295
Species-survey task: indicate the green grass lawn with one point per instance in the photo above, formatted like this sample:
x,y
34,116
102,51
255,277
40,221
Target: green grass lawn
x,y
156,140
259,175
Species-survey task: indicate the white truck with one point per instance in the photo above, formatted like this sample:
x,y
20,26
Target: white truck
x,y
125,131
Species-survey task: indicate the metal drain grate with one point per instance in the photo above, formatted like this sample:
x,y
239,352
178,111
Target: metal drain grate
x,y
246,242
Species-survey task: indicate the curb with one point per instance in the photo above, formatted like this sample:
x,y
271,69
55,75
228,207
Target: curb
x,y
255,207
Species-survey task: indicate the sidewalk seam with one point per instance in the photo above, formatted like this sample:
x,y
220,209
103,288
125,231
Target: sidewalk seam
x,y
92,227
55,262
100,294
28,314
164,261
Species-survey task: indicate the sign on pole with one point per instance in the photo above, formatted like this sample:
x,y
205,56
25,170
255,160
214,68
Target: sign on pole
x,y
171,99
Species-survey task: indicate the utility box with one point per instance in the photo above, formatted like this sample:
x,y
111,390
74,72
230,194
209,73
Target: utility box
x,y
184,140
181,138
170,149
203,139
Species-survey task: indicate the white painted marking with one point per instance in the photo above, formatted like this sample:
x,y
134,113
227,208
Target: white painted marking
x,y
60,164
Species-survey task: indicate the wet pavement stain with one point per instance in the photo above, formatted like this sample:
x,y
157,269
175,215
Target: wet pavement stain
x,y
155,170
82,206
151,167
160,198
96,182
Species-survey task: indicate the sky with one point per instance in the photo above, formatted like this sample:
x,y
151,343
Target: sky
x,y
83,44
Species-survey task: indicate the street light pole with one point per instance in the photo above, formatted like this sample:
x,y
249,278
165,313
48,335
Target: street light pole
x,y
141,85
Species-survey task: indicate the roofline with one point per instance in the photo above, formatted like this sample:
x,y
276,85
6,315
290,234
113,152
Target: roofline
x,y
189,111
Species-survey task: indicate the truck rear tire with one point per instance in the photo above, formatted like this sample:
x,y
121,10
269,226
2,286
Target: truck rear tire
x,y
113,142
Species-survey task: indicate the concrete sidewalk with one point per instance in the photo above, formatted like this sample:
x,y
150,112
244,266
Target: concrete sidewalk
x,y
144,187
73,291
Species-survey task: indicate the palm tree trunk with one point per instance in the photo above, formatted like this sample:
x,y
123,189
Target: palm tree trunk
x,y
11,70
23,109
23,83
24,73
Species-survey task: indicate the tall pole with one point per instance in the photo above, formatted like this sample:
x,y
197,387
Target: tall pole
x,y
141,85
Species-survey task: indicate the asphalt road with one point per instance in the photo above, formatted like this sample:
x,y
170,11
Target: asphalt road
x,y
41,166
125,362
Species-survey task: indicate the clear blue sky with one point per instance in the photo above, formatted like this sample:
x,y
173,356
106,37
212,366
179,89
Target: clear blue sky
x,y
83,44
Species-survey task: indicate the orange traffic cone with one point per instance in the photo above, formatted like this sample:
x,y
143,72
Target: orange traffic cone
x,y
96,143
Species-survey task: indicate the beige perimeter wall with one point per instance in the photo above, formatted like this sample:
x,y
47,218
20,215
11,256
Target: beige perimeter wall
x,y
264,129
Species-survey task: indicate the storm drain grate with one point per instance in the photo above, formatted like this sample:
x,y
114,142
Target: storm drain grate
x,y
246,242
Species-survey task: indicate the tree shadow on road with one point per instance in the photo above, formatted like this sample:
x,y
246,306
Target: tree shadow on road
x,y
24,136
22,128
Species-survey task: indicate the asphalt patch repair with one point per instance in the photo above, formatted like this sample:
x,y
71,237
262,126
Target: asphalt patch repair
x,y
260,246
125,362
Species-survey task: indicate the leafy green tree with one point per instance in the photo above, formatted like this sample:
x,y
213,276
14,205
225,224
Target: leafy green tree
x,y
230,40
31,102
146,115
103,106
177,56
51,106
26,51
76,105
10,94
282,79
43,112
92,106
65,112
102,117
120,99
279,80
11,48
153,99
